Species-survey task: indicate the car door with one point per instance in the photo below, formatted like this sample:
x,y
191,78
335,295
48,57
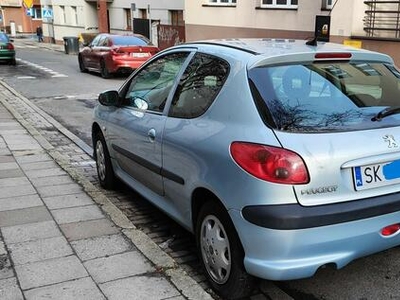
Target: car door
x,y
136,128
87,53
98,51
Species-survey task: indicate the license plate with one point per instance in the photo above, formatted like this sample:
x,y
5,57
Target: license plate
x,y
140,54
366,177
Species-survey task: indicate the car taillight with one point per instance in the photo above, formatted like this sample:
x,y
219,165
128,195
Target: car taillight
x,y
10,46
268,163
117,51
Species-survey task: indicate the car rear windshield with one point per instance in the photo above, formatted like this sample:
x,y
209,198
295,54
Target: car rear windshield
x,y
4,38
329,96
129,41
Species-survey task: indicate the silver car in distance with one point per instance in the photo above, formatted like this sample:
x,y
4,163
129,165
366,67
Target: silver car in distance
x,y
281,157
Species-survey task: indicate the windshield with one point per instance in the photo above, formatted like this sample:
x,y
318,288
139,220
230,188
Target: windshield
x,y
129,41
329,96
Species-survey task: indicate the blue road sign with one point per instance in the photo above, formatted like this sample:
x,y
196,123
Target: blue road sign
x,y
47,13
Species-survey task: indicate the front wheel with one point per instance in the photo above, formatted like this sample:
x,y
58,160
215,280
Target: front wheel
x,y
105,171
82,67
221,253
103,70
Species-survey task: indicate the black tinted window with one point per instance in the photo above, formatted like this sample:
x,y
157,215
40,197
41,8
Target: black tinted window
x,y
199,86
129,41
326,96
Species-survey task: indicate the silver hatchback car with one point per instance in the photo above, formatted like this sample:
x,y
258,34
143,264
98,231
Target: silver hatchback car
x,y
281,157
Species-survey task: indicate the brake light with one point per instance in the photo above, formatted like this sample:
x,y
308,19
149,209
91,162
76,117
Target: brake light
x,y
271,164
117,51
10,46
333,55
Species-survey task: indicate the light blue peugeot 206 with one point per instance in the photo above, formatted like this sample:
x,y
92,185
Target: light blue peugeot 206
x,y
281,157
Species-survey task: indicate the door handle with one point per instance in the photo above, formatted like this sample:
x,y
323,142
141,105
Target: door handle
x,y
152,134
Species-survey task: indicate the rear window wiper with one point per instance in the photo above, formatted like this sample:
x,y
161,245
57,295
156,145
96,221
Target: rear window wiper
x,y
386,112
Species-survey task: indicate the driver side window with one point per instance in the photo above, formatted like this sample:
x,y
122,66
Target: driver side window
x,y
150,88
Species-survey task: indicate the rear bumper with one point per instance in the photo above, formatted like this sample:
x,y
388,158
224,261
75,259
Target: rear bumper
x,y
297,250
295,216
121,65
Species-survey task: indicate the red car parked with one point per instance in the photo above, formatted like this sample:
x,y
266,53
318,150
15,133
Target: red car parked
x,y
110,53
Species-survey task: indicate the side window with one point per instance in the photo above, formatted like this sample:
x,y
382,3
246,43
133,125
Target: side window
x,y
102,41
96,40
149,89
199,86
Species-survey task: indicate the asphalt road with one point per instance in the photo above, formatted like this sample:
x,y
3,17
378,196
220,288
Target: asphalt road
x,y
52,81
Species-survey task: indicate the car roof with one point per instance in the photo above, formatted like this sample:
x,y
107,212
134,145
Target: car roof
x,y
268,50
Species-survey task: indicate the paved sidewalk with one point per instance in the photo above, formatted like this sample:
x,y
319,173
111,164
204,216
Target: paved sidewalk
x,y
64,240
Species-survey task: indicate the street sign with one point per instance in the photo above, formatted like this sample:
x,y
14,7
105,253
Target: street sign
x,y
29,12
27,3
47,13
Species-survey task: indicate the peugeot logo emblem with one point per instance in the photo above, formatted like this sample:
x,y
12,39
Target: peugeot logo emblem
x,y
390,140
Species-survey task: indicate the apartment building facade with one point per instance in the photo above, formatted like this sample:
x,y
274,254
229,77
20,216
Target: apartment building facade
x,y
373,24
15,18
73,17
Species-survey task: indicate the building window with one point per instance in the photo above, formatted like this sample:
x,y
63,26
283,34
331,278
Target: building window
x,y
143,13
176,17
279,3
74,15
327,4
62,15
128,18
221,2
36,12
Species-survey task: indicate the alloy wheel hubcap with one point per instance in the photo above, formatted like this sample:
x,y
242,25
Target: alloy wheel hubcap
x,y
215,249
101,163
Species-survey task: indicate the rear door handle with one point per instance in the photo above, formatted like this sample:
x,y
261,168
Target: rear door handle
x,y
152,134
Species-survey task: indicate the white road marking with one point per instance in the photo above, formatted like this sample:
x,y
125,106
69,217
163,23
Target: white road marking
x,y
53,74
26,77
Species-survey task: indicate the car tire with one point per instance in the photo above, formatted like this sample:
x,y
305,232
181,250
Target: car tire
x,y
105,171
103,70
223,261
13,62
81,65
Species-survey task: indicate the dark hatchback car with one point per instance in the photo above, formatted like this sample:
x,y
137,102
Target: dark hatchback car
x,y
108,54
7,51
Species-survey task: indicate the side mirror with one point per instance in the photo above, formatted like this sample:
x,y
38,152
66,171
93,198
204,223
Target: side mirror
x,y
109,98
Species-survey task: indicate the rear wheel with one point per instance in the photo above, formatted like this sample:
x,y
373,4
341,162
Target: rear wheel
x,y
103,70
13,62
221,253
105,171
81,65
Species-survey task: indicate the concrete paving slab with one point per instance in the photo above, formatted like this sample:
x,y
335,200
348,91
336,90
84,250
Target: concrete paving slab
x,y
13,203
88,229
80,289
58,190
6,182
137,288
50,271
101,246
77,214
65,201
38,165
4,151
8,166
6,158
11,173
24,216
9,289
45,173
12,192
54,180
23,146
32,157
33,251
118,266
30,232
